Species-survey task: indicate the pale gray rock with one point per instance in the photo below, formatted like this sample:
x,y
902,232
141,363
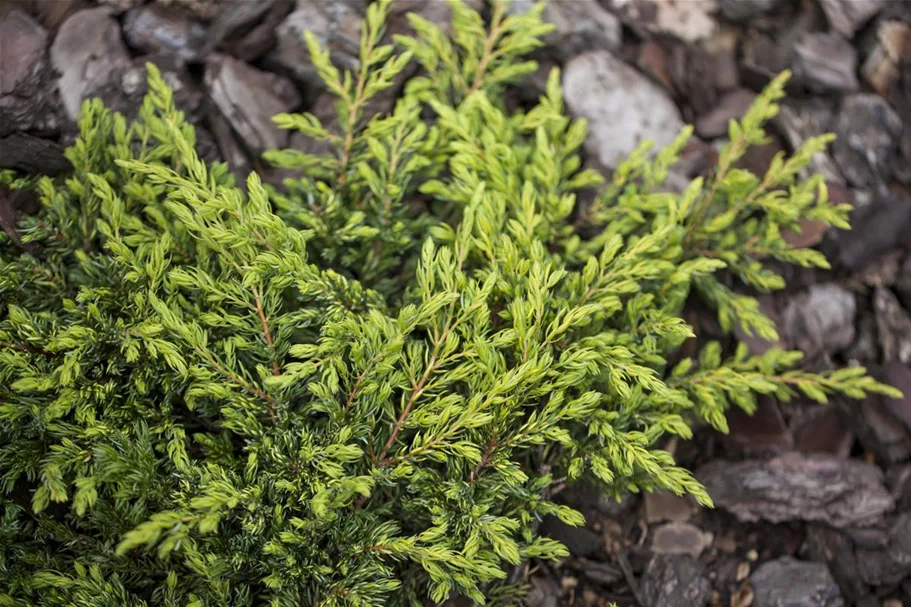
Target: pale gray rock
x,y
622,106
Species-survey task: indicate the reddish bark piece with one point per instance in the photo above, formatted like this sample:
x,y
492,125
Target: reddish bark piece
x,y
680,538
731,106
764,430
882,69
825,431
663,506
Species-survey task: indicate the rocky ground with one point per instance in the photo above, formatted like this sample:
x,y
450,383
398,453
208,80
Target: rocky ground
x,y
814,502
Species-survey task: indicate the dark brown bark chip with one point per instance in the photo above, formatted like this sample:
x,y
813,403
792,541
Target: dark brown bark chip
x,y
798,487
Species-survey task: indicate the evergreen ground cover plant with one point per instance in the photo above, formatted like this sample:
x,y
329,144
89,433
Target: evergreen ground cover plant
x,y
362,389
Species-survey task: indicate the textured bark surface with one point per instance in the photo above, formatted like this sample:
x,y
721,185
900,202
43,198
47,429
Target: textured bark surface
x,y
794,486
24,152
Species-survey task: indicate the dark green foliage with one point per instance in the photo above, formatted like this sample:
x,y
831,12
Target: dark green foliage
x,y
362,391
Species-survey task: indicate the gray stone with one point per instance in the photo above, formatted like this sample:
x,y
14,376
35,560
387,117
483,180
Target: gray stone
x,y
120,6
766,53
201,9
623,107
229,148
891,562
579,26
825,62
793,486
903,283
864,561
878,430
437,13
689,21
126,86
879,222
155,29
743,10
675,581
22,46
846,16
599,572
868,132
543,592
787,582
87,62
894,326
28,86
335,25
821,320
249,98
236,20
261,38
798,120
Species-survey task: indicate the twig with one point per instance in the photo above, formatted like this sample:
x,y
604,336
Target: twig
x,y
485,459
266,332
25,348
240,382
418,390
627,570
488,49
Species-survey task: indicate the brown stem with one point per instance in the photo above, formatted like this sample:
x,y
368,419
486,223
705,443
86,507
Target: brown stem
x,y
353,109
488,50
360,382
415,394
25,348
264,241
485,459
266,333
241,383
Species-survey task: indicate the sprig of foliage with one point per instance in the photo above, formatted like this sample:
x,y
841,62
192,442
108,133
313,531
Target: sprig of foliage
x,y
361,391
